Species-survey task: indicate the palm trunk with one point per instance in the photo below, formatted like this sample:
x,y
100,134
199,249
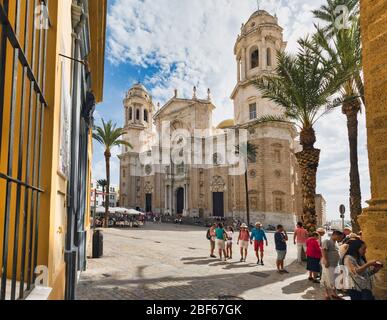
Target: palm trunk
x,y
247,200
107,192
351,109
308,160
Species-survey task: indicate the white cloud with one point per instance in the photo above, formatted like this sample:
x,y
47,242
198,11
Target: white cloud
x,y
191,42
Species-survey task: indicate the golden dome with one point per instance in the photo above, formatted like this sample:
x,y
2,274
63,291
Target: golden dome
x,y
226,124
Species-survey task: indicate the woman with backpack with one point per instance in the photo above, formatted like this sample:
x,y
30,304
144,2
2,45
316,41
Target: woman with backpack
x,y
211,236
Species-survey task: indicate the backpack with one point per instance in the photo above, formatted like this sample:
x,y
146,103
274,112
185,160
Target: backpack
x,y
208,235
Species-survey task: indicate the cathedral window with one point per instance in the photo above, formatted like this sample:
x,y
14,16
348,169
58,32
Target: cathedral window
x,y
138,114
268,56
130,114
180,168
278,204
146,115
253,111
255,59
278,201
217,159
123,173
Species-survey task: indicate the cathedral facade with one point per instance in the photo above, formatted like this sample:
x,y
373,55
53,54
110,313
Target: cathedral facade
x,y
202,182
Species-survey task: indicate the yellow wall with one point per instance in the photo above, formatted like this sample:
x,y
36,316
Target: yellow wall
x,y
52,224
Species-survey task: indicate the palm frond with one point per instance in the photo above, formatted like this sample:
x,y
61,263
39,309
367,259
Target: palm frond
x,y
109,135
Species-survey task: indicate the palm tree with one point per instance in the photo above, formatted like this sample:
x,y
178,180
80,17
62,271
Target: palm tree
x,y
109,136
249,153
343,47
303,85
103,183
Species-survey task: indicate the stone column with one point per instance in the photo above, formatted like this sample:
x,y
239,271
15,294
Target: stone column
x,y
171,199
238,69
373,220
166,198
244,63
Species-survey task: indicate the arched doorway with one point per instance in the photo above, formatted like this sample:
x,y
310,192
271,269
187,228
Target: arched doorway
x,y
218,188
218,204
180,201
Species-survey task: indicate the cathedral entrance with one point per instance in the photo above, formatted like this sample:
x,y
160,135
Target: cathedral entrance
x,y
148,202
180,201
218,204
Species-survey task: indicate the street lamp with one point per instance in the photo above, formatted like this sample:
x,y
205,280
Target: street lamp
x,y
342,215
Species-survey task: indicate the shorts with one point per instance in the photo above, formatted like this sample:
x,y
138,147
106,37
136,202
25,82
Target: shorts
x,y
281,254
259,245
220,244
229,243
244,244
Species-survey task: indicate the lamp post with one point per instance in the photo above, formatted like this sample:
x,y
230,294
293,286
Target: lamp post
x,y
95,207
342,216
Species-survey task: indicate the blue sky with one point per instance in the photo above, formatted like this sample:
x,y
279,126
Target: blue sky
x,y
168,44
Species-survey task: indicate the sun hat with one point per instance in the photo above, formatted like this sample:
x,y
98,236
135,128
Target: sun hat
x,y
258,224
353,236
320,230
244,225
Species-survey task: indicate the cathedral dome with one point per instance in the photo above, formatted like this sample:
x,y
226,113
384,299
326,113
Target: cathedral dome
x,y
140,86
225,124
261,17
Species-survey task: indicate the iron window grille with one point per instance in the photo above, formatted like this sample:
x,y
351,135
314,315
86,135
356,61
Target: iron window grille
x,y
24,110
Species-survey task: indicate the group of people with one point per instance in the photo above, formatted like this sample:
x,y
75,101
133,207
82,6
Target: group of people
x,y
338,262
223,239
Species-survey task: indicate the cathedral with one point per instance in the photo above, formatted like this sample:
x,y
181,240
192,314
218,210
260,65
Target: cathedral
x,y
206,188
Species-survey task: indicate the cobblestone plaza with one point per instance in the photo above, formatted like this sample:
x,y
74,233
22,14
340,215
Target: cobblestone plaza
x,y
169,262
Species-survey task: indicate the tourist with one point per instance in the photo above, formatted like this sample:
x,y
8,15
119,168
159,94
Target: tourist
x,y
212,237
243,241
345,243
300,237
313,256
280,238
347,232
221,237
360,272
259,236
321,232
330,261
230,235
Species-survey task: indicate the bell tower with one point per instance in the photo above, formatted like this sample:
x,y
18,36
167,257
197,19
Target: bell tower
x,y
255,50
139,111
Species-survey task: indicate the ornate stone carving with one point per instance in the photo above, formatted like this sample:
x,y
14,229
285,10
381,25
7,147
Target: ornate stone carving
x,y
148,188
217,184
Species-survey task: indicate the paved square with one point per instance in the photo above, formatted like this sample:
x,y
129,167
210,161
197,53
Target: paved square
x,y
168,261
